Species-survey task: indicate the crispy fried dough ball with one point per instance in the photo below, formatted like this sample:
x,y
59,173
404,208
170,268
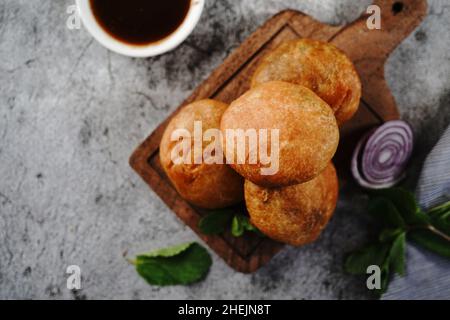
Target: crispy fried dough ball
x,y
318,66
205,185
296,214
307,129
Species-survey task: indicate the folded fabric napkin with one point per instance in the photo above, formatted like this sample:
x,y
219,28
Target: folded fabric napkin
x,y
427,274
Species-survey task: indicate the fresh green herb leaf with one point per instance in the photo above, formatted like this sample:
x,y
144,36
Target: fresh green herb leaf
x,y
218,221
357,262
440,217
254,229
247,224
242,223
385,277
442,224
167,252
215,223
397,254
389,234
182,264
385,211
237,228
443,209
394,259
398,211
431,241
406,204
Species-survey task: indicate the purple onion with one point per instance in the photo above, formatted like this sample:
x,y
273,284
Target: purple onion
x,y
380,157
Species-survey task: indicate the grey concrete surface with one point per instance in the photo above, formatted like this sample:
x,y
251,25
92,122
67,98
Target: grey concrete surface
x,y
71,113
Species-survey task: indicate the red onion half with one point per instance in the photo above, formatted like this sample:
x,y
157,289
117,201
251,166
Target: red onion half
x,y
381,156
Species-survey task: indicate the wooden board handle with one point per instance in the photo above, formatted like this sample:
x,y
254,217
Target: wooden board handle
x,y
369,49
398,19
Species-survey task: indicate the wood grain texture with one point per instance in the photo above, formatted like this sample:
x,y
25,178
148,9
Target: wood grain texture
x,y
368,49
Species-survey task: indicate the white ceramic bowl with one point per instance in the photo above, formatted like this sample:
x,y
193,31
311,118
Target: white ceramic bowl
x,y
140,51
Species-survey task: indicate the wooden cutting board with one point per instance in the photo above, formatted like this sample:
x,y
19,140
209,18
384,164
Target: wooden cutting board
x,y
368,49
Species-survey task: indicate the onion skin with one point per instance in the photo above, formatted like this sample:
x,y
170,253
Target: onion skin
x,y
381,156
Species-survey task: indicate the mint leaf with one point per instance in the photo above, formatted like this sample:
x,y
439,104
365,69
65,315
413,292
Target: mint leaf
x,y
398,211
357,262
443,209
182,264
215,223
247,224
237,228
384,210
431,241
242,223
406,205
385,277
385,255
440,217
442,223
167,252
389,234
397,254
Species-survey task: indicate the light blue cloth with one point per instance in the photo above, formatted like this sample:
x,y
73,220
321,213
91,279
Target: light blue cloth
x,y
427,274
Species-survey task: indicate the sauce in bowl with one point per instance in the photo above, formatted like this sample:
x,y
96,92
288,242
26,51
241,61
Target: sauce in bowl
x,y
140,22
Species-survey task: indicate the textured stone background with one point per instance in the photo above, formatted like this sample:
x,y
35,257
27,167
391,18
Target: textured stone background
x,y
71,113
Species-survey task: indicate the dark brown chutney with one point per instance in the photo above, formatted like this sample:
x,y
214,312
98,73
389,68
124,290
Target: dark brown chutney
x,y
140,22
